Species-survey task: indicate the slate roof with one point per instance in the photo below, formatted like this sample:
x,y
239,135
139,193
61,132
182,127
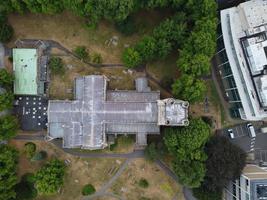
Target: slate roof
x,y
85,121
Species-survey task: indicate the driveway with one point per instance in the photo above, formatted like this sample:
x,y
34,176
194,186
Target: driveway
x,y
2,55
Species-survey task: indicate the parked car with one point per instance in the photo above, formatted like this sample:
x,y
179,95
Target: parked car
x,y
251,130
264,129
231,133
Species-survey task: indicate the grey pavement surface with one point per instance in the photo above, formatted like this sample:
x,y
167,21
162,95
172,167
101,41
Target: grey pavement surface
x,y
2,55
242,139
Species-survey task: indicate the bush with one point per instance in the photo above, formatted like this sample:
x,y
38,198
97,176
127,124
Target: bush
x,y
143,183
88,190
56,65
6,79
126,27
6,100
8,127
202,194
131,58
30,149
81,52
151,152
25,188
41,155
97,58
6,32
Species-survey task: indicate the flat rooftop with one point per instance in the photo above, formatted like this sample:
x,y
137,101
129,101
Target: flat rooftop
x,y
25,70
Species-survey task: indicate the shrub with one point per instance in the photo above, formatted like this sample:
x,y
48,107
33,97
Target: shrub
x,y
25,188
30,149
41,155
6,79
50,177
56,65
81,52
126,27
97,58
88,190
8,127
6,32
131,58
6,100
151,152
202,194
143,183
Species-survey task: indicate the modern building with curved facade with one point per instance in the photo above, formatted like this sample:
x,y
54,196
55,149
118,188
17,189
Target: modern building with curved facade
x,y
242,49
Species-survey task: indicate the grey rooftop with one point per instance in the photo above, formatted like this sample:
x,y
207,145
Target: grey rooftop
x,y
96,112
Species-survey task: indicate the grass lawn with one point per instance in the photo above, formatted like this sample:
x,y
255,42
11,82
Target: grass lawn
x,y
80,171
160,187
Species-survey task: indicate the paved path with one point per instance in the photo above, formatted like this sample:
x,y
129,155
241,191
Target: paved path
x,y
106,186
2,55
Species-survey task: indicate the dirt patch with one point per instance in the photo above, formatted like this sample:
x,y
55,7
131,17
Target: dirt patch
x,y
79,172
71,32
160,187
61,86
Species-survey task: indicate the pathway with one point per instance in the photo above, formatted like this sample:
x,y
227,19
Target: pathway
x,y
2,55
106,186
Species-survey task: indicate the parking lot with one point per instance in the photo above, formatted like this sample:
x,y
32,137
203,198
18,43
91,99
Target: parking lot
x,y
243,140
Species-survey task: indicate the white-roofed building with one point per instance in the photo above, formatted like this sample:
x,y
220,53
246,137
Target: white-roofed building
x,y
242,51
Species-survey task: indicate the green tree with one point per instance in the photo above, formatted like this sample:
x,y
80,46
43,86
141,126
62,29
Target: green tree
x,y
189,88
226,162
8,178
131,58
8,127
50,177
202,194
88,190
146,48
56,65
81,52
126,27
25,189
6,100
186,145
6,32
195,65
6,79
30,149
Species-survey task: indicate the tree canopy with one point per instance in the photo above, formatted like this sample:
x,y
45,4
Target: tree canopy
x,y
189,88
6,79
8,127
50,177
226,162
186,145
8,178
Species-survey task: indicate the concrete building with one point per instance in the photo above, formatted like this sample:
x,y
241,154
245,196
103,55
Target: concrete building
x,y
30,85
252,185
96,113
242,51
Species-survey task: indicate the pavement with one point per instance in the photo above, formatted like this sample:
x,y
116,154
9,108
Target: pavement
x,y
2,55
245,142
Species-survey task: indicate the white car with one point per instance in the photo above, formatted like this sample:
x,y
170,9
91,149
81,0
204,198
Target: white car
x,y
231,133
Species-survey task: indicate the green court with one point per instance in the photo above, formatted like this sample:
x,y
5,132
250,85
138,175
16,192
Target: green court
x,y
25,70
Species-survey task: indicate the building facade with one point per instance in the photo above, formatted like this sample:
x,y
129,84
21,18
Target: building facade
x,y
252,185
96,113
242,53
